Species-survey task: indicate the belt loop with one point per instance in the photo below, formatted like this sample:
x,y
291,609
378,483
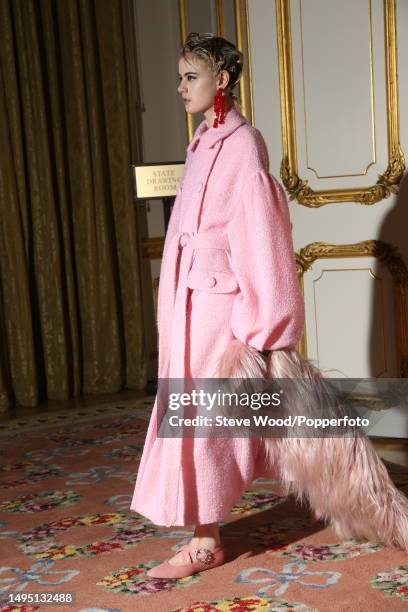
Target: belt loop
x,y
229,256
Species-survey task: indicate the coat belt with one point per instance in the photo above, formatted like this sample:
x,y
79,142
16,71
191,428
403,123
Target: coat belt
x,y
179,260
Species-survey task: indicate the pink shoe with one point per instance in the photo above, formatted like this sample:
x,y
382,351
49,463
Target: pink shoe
x,y
196,560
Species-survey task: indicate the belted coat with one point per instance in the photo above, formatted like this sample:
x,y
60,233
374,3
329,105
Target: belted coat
x,y
228,272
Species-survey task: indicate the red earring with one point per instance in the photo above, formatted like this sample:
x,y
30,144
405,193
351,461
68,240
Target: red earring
x,y
219,107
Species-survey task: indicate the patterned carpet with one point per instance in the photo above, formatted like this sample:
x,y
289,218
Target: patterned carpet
x,y
65,528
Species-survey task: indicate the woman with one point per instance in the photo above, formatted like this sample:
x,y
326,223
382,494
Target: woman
x,y
228,296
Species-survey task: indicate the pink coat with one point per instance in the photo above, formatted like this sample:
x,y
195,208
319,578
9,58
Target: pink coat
x,y
228,271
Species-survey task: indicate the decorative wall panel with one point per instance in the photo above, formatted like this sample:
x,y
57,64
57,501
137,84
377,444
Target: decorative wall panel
x,y
339,100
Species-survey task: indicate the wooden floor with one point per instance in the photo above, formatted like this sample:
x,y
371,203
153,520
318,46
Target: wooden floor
x,y
391,449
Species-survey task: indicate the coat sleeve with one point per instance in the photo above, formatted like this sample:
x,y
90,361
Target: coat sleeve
x,y
268,311
172,230
173,225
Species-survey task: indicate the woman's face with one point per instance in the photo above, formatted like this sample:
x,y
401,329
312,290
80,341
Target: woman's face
x,y
197,85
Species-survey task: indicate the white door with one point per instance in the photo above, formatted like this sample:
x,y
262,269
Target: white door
x,y
330,96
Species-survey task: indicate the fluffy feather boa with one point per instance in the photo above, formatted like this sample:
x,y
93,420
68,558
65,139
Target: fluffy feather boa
x,y
343,479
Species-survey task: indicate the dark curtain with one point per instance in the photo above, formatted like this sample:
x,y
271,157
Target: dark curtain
x,y
71,318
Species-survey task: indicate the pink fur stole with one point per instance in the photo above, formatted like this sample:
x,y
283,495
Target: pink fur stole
x,y
343,479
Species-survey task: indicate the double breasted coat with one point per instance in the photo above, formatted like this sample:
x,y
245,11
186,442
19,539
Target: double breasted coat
x,y
228,271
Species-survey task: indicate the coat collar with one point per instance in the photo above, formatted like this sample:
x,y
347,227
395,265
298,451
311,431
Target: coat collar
x,y
211,135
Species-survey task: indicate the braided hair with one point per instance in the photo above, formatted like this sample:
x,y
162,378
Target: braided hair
x,y
218,53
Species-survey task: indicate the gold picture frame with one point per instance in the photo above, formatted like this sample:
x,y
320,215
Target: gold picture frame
x,y
298,188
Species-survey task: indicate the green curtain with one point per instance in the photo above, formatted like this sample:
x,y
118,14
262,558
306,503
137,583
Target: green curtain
x,y
71,318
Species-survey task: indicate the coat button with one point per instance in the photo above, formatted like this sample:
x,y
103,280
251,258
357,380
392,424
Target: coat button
x,y
200,186
184,239
211,282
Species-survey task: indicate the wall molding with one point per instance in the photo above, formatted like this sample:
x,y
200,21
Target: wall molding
x,y
298,188
386,254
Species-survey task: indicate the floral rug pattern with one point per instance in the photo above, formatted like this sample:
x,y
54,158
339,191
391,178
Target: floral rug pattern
x,y
393,582
66,483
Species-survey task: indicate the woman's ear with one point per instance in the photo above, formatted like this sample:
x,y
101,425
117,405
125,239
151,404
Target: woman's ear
x,y
223,79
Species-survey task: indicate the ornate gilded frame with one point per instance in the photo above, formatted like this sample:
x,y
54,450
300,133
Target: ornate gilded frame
x,y
385,253
243,44
297,187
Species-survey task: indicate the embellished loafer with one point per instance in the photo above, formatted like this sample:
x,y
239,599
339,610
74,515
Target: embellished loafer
x,y
196,560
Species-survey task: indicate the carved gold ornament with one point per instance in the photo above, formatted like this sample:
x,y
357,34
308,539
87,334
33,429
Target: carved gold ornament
x,y
298,188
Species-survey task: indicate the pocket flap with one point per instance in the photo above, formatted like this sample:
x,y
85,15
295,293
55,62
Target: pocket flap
x,y
212,281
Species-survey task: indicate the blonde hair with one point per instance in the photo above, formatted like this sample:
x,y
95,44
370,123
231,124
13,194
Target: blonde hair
x,y
218,53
